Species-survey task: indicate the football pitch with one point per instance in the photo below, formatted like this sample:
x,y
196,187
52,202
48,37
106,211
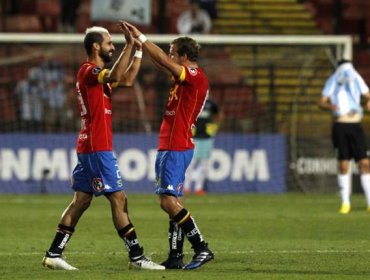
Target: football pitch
x,y
289,236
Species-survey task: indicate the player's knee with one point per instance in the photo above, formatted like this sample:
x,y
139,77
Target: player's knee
x,y
343,167
83,204
364,166
164,205
166,202
117,199
169,204
81,201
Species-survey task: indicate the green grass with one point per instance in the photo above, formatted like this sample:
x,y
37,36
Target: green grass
x,y
292,236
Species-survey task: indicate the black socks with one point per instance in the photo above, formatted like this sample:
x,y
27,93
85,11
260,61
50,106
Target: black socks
x,y
129,237
186,222
60,241
175,239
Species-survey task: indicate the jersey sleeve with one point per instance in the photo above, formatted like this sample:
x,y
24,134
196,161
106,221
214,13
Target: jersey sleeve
x,y
361,84
189,75
329,87
94,75
183,74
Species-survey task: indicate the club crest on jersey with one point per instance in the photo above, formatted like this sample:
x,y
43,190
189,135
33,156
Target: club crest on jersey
x,y
96,70
97,184
193,71
180,187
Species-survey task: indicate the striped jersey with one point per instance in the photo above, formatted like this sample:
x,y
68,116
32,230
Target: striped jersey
x,y
344,88
185,102
95,108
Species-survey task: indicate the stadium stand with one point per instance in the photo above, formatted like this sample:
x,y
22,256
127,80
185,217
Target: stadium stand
x,y
8,115
48,12
277,80
343,17
267,77
263,17
23,23
346,17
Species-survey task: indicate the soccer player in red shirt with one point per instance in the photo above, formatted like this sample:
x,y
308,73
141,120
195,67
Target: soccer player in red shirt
x,y
96,172
175,149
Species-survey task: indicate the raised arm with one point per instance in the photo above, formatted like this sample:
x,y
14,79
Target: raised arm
x,y
160,67
129,76
156,53
120,66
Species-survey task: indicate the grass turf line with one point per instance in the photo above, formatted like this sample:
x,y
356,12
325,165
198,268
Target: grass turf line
x,y
254,236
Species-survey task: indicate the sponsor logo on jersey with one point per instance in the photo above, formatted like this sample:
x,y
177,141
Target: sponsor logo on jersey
x,y
97,184
82,136
173,95
107,111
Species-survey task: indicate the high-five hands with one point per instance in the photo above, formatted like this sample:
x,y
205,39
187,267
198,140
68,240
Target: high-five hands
x,y
132,29
128,36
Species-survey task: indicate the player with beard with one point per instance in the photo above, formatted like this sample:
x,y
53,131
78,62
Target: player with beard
x,y
96,172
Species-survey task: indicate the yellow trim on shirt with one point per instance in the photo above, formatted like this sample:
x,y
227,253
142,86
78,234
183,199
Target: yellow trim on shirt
x,y
101,76
182,75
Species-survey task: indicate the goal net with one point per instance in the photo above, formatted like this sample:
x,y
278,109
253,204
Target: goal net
x,y
273,137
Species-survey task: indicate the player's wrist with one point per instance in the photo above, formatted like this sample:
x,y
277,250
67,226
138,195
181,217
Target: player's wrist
x,y
142,38
138,54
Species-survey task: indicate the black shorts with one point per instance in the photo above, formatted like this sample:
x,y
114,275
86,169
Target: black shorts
x,y
349,140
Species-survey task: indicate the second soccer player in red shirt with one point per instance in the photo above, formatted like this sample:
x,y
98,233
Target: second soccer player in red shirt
x,y
175,149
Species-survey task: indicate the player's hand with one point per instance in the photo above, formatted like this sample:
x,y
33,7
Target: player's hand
x,y
128,36
134,31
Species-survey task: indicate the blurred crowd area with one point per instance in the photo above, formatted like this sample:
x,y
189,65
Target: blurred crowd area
x,y
256,87
75,15
37,91
238,17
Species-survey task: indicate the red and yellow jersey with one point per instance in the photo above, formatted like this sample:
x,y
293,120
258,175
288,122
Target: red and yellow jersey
x,y
185,102
95,108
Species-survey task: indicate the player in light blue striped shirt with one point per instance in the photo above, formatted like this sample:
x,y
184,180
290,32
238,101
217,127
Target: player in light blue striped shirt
x,y
342,95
